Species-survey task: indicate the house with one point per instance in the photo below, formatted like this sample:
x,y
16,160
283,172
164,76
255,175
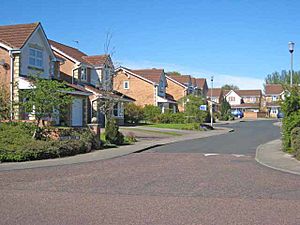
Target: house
x,y
146,86
201,87
94,74
244,100
215,97
25,51
274,94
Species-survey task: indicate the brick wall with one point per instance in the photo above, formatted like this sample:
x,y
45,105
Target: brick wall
x,y
140,90
177,91
5,73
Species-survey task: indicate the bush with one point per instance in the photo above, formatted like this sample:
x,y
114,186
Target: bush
x,y
112,133
170,118
295,141
133,113
151,112
291,110
16,143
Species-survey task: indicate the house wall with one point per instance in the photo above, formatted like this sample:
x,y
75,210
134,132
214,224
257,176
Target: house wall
x,y
5,73
140,90
177,91
251,99
37,40
233,98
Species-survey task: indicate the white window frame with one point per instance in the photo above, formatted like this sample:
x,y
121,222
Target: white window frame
x,y
35,57
83,68
274,98
124,84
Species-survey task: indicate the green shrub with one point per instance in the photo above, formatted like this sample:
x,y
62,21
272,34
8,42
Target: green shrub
x,y
17,144
170,118
151,112
133,113
112,133
295,141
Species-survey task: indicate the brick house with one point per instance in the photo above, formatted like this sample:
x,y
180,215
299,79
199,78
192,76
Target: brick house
x,y
25,51
201,87
94,74
215,96
146,86
274,94
244,100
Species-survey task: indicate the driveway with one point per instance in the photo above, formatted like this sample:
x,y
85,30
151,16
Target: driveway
x,y
178,184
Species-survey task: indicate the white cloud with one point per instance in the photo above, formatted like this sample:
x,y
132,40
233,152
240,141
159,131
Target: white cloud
x,y
243,82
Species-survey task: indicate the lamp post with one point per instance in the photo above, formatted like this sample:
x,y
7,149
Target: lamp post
x,y
211,106
291,50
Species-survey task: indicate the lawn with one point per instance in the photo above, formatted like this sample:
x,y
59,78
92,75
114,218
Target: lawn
x,y
178,126
171,133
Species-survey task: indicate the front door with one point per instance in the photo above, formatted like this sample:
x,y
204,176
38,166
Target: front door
x,y
77,112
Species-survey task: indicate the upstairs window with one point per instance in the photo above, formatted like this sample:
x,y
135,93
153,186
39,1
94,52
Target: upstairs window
x,y
83,75
274,98
126,84
36,58
231,99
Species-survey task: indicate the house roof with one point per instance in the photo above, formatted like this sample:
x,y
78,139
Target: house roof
x,y
274,89
215,92
70,51
249,93
243,93
183,79
200,82
149,74
96,60
15,36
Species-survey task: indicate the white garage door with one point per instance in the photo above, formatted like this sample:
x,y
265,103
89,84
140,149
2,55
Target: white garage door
x,y
77,111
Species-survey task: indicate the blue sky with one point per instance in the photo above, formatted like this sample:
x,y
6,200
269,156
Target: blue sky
x,y
238,42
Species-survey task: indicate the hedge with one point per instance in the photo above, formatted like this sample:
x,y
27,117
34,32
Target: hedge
x,y
295,142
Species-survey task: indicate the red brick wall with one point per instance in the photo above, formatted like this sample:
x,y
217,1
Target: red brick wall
x,y
176,91
5,73
140,90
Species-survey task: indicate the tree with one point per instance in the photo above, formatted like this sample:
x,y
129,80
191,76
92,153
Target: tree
x,y
174,73
283,77
192,111
4,103
133,113
230,87
225,110
44,97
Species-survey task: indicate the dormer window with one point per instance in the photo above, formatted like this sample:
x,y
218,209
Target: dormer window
x,y
83,75
36,58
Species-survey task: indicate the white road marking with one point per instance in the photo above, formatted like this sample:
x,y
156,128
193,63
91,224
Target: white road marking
x,y
237,155
211,154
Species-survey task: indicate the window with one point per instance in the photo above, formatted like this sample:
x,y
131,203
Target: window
x,y
83,73
116,110
274,98
35,57
126,84
231,99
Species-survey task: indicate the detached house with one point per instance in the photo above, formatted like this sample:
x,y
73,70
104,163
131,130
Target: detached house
x,y
274,94
201,87
95,75
146,86
25,51
215,97
245,100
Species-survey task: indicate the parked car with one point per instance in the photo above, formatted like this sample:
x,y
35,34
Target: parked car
x,y
280,115
237,113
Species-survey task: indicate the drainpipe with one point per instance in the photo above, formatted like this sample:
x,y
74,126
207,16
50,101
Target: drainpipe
x,y
11,83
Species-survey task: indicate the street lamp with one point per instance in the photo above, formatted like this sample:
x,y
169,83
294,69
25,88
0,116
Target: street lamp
x,y
291,50
211,106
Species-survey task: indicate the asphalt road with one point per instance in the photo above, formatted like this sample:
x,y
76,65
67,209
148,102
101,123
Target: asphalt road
x,y
244,140
165,186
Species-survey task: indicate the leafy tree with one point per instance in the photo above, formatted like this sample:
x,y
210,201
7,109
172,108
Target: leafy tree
x,y
230,87
151,112
133,113
283,77
44,97
225,110
4,103
192,111
174,73
291,109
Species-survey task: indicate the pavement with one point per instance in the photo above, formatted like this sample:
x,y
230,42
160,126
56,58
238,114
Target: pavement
x,y
271,155
116,152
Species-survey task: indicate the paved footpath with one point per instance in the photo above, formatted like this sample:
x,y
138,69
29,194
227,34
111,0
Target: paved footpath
x,y
113,152
192,183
